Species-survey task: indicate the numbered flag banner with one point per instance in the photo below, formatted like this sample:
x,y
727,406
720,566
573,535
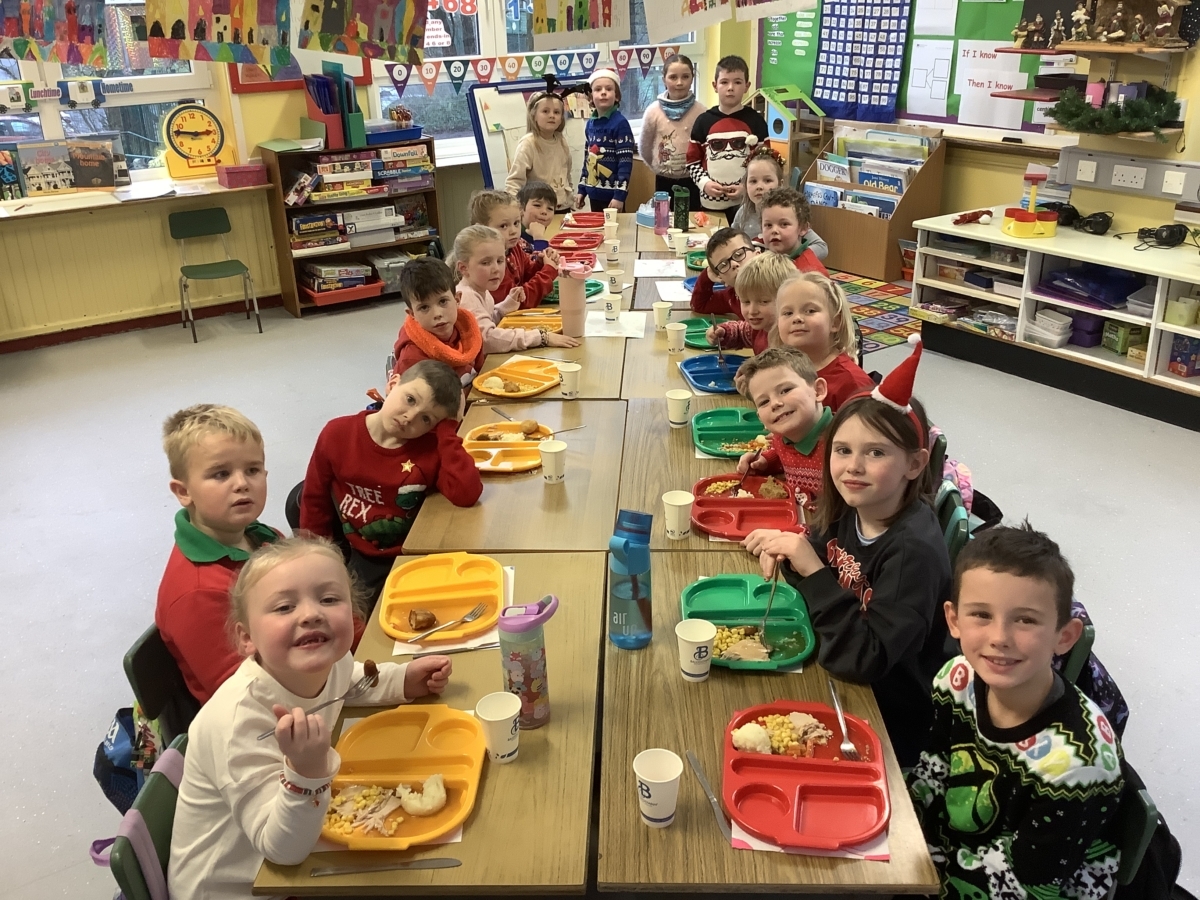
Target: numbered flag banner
x,y
587,61
399,74
511,66
622,57
457,70
667,52
537,63
562,64
484,69
429,74
645,59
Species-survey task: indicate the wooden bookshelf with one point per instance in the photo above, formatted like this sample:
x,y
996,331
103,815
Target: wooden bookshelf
x,y
283,169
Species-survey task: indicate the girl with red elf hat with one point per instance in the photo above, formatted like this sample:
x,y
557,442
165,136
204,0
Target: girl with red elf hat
x,y
875,570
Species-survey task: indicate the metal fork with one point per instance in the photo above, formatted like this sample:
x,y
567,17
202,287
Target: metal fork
x,y
848,749
770,600
717,344
753,460
469,617
357,689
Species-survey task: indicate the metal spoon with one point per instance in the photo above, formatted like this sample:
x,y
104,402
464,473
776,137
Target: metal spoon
x,y
770,600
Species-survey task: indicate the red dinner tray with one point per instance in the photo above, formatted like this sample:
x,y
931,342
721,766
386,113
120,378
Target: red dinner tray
x,y
591,220
821,803
733,519
584,240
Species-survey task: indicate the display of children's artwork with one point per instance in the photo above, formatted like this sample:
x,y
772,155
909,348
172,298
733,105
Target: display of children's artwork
x,y
670,18
62,31
232,31
378,29
760,9
561,24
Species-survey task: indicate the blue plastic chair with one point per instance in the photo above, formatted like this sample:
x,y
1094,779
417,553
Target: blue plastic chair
x,y
197,223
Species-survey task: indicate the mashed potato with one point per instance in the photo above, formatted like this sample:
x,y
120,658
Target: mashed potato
x,y
751,738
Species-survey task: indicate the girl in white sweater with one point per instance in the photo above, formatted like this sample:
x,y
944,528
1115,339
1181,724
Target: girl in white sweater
x,y
542,154
667,129
478,262
243,800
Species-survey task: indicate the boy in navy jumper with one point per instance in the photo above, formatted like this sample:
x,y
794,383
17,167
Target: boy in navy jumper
x,y
608,162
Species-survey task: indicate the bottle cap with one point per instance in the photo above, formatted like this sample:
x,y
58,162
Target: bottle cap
x,y
519,619
661,195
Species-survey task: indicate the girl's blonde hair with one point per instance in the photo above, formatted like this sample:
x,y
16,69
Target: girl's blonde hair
x,y
841,320
484,203
762,154
269,556
466,242
531,114
763,275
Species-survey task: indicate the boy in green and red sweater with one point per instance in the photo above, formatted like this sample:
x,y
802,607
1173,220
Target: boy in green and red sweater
x,y
608,145
370,472
786,229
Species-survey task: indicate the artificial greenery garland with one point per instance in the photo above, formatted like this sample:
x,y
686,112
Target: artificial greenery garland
x,y
1073,112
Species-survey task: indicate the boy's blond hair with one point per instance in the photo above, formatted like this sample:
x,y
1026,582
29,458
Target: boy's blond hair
x,y
841,320
761,277
484,203
773,358
186,428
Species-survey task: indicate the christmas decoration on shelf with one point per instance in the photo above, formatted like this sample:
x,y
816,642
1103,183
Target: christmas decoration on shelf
x,y
1151,114
1154,23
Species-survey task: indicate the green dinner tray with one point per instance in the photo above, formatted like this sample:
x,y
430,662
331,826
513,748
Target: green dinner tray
x,y
715,427
696,260
696,327
731,600
592,287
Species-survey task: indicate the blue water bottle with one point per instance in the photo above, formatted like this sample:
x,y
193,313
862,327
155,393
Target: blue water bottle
x,y
630,622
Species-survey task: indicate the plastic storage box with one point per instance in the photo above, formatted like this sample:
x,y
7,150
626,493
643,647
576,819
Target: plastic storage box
x,y
388,266
1185,356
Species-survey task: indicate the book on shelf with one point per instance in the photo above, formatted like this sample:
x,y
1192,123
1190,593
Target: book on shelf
x,y
414,211
371,190
865,208
10,173
822,195
834,168
46,168
414,151
349,167
884,203
350,156
307,224
302,188
413,234
334,270
879,181
92,165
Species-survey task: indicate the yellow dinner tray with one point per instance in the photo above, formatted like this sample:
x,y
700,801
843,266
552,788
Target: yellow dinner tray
x,y
449,585
540,317
404,746
504,456
539,374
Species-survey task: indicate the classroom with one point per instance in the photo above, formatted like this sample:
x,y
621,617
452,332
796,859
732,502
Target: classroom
x,y
736,446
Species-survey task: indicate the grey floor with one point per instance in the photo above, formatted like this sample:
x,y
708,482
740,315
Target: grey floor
x,y
85,522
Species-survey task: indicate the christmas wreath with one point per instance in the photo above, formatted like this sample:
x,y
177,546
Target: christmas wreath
x,y
1074,113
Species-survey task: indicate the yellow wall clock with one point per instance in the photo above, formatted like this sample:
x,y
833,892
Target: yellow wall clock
x,y
196,143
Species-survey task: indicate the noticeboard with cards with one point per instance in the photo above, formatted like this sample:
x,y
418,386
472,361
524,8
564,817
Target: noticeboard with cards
x,y
861,58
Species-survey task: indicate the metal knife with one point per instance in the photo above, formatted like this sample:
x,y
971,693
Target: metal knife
x,y
491,646
722,822
438,863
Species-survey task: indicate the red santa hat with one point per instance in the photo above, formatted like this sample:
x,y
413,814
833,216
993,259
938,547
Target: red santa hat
x,y
896,389
730,127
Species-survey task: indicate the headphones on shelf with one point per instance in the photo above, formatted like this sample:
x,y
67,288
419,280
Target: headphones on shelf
x,y
1164,237
1068,215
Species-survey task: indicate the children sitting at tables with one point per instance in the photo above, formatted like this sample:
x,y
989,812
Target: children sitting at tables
x,y
726,251
219,477
436,327
542,155
875,571
757,284
536,200
535,277
478,261
787,393
243,800
371,471
1019,787
608,147
786,229
764,173
813,316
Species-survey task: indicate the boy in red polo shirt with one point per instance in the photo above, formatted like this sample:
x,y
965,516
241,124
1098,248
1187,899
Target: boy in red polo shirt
x,y
436,327
219,477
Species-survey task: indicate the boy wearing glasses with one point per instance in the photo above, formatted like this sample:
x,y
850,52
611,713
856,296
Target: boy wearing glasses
x,y
723,137
728,249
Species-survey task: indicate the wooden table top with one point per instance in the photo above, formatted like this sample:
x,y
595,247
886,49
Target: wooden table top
x,y
659,458
691,854
602,358
543,797
520,512
647,240
650,371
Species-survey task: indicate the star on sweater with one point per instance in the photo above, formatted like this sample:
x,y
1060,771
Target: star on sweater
x,y
408,465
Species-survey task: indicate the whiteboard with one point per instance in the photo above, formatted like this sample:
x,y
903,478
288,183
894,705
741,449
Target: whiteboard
x,y
498,119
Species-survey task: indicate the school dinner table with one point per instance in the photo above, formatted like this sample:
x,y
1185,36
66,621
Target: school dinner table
x,y
648,241
602,358
520,511
528,832
651,371
648,704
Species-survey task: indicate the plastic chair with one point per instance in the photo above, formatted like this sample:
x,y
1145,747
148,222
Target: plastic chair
x,y
953,519
158,684
156,803
937,458
1078,656
794,178
197,223
1138,819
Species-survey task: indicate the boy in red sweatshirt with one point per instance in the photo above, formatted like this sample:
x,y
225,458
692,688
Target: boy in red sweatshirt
x,y
536,273
727,250
435,327
370,472
786,229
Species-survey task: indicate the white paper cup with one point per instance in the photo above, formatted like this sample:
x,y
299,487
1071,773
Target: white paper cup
x,y
679,243
679,407
612,307
662,314
569,375
610,215
616,280
554,461
695,638
676,331
612,248
678,505
610,228
671,232
500,715
657,773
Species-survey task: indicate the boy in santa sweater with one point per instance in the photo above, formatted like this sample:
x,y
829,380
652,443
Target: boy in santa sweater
x,y
722,139
435,327
370,472
787,392
536,273
609,147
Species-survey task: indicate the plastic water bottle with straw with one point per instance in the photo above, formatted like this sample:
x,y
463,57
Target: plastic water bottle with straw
x,y
630,619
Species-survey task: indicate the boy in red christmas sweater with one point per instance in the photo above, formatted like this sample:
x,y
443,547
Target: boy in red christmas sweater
x,y
435,327
219,477
370,472
535,274
727,250
757,283
785,389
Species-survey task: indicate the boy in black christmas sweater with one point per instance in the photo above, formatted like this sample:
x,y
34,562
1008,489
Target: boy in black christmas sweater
x,y
1018,790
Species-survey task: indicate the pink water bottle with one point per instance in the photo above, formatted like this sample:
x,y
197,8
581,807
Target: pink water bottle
x,y
523,655
662,212
572,300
